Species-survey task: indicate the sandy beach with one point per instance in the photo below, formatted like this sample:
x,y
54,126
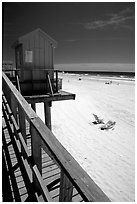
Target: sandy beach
x,y
108,156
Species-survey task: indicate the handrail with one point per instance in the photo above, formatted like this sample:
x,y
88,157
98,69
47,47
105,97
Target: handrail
x,y
72,174
33,69
52,82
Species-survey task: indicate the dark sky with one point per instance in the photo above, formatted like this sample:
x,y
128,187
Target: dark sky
x,y
86,32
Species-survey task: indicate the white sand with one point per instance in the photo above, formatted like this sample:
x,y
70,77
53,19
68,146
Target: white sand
x,y
107,156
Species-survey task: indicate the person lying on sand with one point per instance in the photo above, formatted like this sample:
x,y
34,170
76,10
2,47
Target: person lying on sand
x,y
97,120
110,124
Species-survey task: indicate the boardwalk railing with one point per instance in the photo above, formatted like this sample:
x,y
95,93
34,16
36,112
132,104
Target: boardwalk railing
x,y
18,114
50,84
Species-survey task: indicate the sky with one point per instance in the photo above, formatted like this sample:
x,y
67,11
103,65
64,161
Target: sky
x,y
86,32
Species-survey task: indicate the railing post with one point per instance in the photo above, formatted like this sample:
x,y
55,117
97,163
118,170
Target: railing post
x,y
56,81
36,147
46,82
14,106
22,122
17,81
66,188
36,151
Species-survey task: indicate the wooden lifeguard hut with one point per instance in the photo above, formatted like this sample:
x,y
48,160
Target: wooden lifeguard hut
x,y
36,78
34,54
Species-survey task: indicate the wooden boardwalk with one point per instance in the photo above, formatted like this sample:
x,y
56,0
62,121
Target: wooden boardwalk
x,y
35,166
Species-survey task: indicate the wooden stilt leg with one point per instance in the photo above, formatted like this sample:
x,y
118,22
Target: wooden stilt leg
x,y
33,106
47,112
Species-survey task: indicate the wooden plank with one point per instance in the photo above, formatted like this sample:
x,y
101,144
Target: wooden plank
x,y
66,188
48,164
11,173
6,106
5,89
46,159
77,198
50,180
51,173
6,187
47,98
54,184
49,168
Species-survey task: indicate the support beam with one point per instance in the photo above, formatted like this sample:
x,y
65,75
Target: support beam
x,y
47,112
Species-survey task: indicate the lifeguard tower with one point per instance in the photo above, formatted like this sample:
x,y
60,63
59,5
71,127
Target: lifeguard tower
x,y
36,78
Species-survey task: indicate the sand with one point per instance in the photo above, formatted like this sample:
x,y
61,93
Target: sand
x,y
108,156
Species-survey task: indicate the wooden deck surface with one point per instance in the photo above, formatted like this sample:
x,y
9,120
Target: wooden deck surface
x,y
61,95
15,184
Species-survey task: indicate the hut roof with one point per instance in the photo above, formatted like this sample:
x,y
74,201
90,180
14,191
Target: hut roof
x,y
38,30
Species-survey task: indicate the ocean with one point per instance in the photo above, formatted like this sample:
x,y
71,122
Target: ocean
x,y
102,74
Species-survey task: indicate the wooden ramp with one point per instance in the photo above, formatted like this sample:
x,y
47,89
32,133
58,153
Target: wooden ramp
x,y
36,167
